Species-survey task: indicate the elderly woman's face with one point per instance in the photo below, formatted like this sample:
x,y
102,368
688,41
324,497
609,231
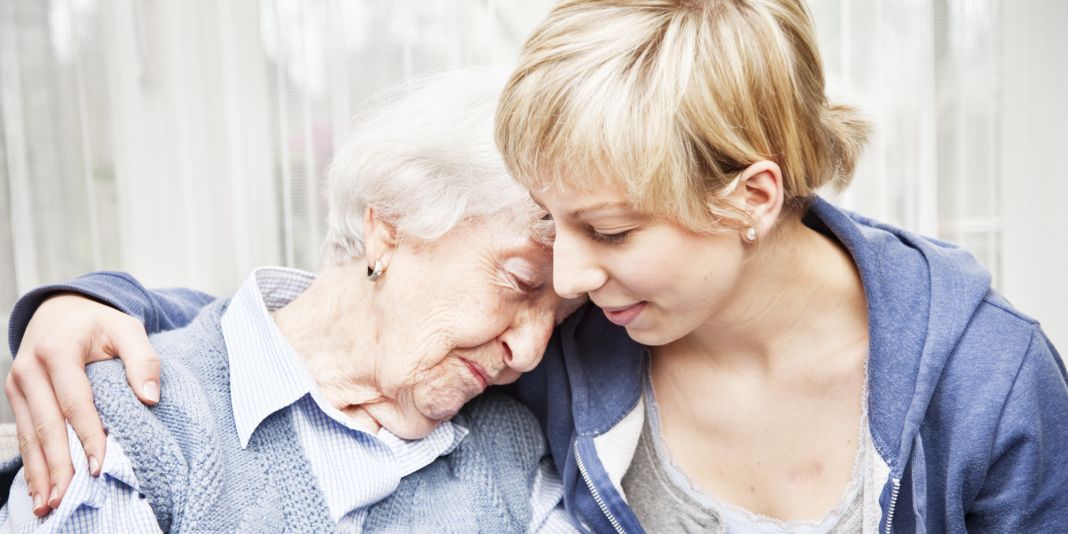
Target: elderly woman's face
x,y
469,310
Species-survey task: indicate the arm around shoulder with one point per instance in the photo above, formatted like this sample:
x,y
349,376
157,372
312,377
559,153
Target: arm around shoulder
x,y
158,310
54,332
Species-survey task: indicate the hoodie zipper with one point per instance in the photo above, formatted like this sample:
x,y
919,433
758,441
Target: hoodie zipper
x,y
595,493
893,502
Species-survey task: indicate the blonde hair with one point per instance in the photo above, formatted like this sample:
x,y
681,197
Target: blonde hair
x,y
672,99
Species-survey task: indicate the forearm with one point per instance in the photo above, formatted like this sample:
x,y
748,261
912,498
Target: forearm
x,y
158,310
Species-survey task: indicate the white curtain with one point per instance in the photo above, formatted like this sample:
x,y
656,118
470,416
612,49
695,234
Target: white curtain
x,y
186,141
927,74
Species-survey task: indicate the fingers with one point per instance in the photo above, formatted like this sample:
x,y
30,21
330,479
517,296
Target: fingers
x,y
130,344
48,424
74,396
40,411
33,460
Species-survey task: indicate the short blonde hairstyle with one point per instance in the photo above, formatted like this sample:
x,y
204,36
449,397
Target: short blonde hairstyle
x,y
672,99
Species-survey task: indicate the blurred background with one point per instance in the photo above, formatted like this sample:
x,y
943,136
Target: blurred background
x,y
187,141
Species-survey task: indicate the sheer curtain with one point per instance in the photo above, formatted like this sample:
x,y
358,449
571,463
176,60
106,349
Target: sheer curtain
x,y
928,76
970,122
186,141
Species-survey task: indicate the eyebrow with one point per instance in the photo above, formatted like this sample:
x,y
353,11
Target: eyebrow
x,y
599,207
587,209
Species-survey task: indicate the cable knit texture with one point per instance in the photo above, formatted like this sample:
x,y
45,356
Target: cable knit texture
x,y
190,465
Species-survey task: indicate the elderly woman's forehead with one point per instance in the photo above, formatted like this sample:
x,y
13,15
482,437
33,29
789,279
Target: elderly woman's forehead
x,y
525,217
501,226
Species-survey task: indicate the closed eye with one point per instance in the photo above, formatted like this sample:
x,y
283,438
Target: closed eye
x,y
611,239
521,275
525,286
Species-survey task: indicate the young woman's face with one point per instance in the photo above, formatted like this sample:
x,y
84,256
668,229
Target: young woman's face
x,y
656,278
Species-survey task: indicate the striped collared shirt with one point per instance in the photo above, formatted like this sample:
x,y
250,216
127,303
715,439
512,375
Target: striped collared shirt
x,y
354,468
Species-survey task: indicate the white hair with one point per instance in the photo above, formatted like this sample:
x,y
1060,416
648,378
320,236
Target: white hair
x,y
422,156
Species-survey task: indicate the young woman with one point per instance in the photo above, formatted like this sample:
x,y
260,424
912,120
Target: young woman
x,y
754,359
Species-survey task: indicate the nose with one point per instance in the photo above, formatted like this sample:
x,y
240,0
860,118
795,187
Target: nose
x,y
525,341
575,268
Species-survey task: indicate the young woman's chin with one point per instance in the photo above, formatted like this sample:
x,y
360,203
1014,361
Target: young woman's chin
x,y
654,335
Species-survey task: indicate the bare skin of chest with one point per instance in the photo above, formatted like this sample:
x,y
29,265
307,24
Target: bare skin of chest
x,y
782,445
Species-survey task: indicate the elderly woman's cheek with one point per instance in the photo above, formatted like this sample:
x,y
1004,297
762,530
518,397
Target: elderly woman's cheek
x,y
565,307
444,390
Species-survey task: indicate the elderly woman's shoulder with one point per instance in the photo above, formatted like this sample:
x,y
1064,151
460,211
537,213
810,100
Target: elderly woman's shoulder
x,y
496,404
496,421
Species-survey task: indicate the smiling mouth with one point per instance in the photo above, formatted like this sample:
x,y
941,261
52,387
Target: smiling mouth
x,y
477,371
624,315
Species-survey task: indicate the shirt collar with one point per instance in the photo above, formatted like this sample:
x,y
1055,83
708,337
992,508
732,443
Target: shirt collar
x,y
265,373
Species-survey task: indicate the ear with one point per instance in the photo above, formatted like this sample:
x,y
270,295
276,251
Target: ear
x,y
379,237
760,193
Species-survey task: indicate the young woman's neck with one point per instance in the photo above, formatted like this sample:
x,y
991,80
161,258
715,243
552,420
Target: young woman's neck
x,y
800,289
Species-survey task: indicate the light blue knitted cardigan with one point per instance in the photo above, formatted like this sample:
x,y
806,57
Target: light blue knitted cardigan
x,y
196,477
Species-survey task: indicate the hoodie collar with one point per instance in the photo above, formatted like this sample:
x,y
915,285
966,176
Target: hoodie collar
x,y
605,368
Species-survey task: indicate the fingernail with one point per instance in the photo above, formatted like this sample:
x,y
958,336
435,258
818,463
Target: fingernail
x,y
151,390
94,466
53,498
38,502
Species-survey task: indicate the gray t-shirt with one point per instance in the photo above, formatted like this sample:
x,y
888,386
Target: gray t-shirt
x,y
665,500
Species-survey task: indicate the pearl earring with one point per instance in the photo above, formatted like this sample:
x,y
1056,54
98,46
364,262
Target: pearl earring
x,y
750,234
376,273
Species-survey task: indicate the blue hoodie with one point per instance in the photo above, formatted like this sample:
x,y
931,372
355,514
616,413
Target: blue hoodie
x,y
967,399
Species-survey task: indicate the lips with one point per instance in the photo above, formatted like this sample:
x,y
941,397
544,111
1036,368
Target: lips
x,y
479,373
623,315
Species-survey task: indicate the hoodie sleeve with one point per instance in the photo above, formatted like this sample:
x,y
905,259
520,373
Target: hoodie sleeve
x,y
159,310
1026,487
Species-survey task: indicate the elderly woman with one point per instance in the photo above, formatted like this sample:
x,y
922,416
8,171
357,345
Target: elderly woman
x,y
309,403
754,359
